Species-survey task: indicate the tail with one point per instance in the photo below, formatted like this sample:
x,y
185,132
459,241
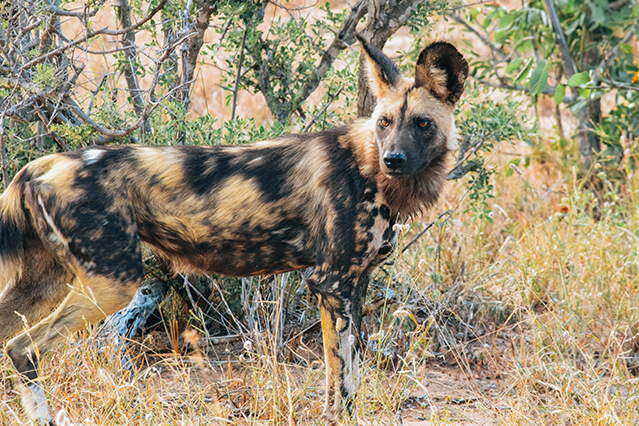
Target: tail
x,y
13,227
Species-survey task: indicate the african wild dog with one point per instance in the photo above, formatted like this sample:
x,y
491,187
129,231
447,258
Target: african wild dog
x,y
71,224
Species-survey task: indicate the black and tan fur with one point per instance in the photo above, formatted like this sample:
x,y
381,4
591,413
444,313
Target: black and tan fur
x,y
72,224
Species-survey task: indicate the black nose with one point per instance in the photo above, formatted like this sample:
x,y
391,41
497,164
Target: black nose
x,y
394,159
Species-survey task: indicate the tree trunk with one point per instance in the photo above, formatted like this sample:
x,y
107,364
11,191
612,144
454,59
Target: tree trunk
x,y
383,20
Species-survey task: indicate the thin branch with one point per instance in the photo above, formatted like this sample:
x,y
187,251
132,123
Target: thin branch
x,y
90,35
238,74
423,231
568,63
321,111
605,63
96,91
483,39
615,85
151,103
344,38
548,90
222,36
130,64
44,121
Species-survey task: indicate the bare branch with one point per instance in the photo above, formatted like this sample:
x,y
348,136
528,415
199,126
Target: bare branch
x,y
344,38
150,105
239,73
130,65
568,63
321,111
92,34
44,121
483,39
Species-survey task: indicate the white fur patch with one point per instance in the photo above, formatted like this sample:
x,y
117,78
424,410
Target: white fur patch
x,y
55,236
91,156
62,419
35,403
351,359
453,136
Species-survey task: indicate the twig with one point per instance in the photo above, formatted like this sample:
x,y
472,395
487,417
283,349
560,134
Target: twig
x,y
96,91
130,64
239,73
548,90
615,85
324,108
3,148
92,34
560,39
151,104
423,231
483,39
450,211
44,121
222,36
344,38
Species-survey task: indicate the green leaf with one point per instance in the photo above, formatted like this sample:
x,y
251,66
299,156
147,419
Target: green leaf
x,y
536,75
505,21
560,93
573,26
513,65
625,47
579,79
584,93
543,81
598,16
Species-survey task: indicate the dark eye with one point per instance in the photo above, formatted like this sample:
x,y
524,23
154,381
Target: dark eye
x,y
384,122
423,123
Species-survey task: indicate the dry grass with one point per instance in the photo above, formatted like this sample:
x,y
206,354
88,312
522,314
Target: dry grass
x,y
529,320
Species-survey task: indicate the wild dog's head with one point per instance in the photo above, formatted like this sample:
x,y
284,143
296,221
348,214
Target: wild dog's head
x,y
414,122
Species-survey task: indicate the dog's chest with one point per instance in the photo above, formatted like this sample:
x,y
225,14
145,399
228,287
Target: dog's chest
x,y
375,238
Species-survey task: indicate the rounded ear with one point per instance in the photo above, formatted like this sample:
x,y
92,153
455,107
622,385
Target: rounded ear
x,y
442,70
382,72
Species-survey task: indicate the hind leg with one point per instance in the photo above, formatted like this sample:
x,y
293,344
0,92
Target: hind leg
x,y
41,286
90,300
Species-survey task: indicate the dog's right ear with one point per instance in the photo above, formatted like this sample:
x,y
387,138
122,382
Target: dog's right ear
x,y
382,72
442,70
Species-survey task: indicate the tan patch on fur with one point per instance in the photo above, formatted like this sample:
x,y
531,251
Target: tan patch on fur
x,y
60,171
333,362
309,180
10,207
162,164
420,102
241,199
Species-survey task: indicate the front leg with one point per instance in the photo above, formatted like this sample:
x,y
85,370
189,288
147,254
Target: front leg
x,y
341,317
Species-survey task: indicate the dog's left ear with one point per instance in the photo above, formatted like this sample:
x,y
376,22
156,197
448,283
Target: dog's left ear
x,y
442,70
